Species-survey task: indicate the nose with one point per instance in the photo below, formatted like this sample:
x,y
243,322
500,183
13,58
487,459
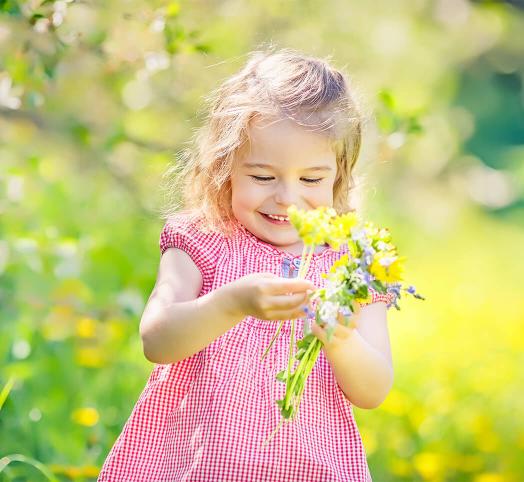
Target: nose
x,y
285,194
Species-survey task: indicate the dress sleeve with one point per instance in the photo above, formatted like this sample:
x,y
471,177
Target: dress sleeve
x,y
389,297
202,247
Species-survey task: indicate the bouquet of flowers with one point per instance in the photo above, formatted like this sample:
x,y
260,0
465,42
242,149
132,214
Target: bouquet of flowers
x,y
372,262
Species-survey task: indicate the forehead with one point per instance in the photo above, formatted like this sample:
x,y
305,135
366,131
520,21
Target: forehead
x,y
285,140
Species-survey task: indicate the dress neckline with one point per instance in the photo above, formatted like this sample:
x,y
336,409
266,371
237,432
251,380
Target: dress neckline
x,y
273,250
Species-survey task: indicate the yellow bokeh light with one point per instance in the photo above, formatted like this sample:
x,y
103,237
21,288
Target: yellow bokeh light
x,y
86,416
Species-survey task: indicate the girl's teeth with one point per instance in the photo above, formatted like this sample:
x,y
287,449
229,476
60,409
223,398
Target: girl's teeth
x,y
278,218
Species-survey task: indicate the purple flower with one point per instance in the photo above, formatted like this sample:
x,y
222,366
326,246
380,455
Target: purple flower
x,y
309,313
345,310
367,259
394,288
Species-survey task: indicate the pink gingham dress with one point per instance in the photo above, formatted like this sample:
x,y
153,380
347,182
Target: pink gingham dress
x,y
206,418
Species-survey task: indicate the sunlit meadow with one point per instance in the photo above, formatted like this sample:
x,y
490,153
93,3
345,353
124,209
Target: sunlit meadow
x,y
96,99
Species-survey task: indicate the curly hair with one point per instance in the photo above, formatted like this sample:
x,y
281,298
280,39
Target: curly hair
x,y
273,84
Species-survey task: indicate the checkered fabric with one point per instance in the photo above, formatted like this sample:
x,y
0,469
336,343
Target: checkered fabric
x,y
206,418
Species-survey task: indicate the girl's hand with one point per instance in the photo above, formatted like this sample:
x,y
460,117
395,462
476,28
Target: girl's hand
x,y
269,297
341,333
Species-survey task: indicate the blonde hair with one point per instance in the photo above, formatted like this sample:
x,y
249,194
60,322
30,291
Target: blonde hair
x,y
272,84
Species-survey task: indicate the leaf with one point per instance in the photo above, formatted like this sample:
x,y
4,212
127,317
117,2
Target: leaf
x,y
81,133
202,48
5,391
413,126
387,98
36,16
300,353
287,412
5,461
378,286
304,342
10,7
282,376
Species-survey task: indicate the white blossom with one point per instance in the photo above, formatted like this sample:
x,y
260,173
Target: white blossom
x,y
387,260
329,312
9,95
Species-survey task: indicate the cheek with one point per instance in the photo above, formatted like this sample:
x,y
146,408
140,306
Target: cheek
x,y
243,195
324,196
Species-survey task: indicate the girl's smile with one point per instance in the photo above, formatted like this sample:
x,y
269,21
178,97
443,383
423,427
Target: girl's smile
x,y
279,220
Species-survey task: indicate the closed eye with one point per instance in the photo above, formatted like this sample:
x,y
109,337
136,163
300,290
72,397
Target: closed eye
x,y
262,178
305,179
312,181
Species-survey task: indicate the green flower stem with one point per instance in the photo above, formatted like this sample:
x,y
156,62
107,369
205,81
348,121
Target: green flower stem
x,y
317,344
304,262
307,253
301,273
311,363
300,368
277,428
272,340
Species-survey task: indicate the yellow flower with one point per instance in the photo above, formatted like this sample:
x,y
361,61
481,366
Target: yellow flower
x,y
313,226
342,261
86,416
340,229
429,464
387,267
90,356
86,327
88,471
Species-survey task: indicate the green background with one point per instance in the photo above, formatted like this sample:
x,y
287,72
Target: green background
x,y
96,99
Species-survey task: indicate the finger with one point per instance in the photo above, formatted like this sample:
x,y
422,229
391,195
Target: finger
x,y
309,293
288,314
268,275
350,322
288,302
319,332
340,333
290,285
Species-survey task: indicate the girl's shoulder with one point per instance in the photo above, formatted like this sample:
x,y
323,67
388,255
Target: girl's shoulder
x,y
188,231
190,234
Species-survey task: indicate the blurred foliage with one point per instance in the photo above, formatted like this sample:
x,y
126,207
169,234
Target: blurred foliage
x,y
97,97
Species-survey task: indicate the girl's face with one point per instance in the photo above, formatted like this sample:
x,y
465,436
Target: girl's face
x,y
282,165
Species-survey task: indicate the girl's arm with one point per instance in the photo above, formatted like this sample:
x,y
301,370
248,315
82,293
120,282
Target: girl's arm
x,y
176,324
361,357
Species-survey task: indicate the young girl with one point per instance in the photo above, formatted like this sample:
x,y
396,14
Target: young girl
x,y
284,130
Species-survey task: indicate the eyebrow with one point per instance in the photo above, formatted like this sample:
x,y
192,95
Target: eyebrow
x,y
262,165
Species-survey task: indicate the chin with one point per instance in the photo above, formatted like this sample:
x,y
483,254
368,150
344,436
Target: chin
x,y
281,239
